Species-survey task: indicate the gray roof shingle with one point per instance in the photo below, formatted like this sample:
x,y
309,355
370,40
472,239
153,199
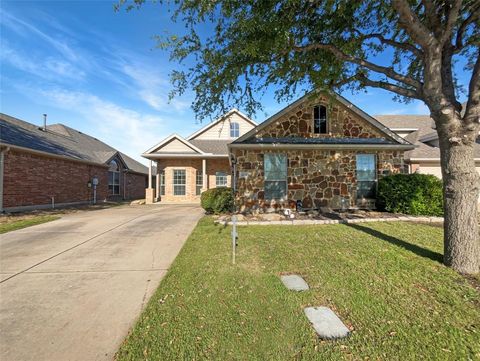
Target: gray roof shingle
x,y
423,124
214,146
61,140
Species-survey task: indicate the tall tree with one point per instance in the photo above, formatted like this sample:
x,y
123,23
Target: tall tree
x,y
407,47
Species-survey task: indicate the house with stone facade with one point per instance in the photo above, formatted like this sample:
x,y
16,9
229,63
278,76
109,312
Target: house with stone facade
x,y
185,167
55,165
320,151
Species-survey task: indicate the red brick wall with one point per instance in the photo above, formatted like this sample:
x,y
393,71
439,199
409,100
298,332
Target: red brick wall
x,y
31,179
135,185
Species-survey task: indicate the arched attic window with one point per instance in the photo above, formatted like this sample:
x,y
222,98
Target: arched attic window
x,y
234,130
113,177
320,119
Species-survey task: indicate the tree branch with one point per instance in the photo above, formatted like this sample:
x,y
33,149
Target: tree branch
x,y
409,93
474,16
432,17
369,65
472,111
412,24
451,20
396,44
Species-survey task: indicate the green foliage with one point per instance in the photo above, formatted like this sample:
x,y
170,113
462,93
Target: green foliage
x,y
217,200
232,52
415,194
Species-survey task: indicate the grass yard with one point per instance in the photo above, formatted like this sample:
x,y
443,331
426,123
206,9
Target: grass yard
x,y
384,280
14,224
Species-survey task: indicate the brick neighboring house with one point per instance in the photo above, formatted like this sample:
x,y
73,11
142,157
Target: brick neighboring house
x,y
56,164
321,151
185,167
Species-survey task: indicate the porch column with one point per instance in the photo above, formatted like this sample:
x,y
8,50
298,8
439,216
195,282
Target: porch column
x,y
149,192
157,183
204,175
150,173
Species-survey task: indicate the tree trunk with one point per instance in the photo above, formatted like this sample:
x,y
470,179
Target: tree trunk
x,y
461,184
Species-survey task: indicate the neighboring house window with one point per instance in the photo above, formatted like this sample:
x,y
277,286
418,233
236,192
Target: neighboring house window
x,y
275,166
113,178
162,182
320,119
199,184
179,182
234,130
221,179
366,176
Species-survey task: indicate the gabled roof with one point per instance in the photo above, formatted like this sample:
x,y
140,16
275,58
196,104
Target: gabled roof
x,y
61,140
223,117
375,123
168,140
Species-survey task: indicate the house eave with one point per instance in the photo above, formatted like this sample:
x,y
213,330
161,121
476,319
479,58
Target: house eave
x,y
432,160
403,147
180,156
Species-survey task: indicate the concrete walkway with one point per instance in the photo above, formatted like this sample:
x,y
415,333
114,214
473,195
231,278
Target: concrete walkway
x,y
71,289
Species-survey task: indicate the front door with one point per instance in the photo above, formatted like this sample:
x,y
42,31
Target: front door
x,y
366,176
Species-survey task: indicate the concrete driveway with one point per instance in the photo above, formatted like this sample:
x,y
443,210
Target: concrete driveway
x,y
71,289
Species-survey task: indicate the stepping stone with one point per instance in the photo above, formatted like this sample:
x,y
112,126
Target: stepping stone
x,y
326,323
294,282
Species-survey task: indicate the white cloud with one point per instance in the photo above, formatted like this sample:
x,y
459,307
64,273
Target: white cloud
x,y
152,86
125,129
26,29
47,68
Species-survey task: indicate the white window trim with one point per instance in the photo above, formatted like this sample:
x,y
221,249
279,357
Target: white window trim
x,y
173,182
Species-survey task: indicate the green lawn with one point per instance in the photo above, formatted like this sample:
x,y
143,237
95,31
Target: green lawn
x,y
384,280
13,225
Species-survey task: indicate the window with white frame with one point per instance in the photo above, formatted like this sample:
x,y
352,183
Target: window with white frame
x,y
221,179
162,182
320,119
179,182
234,130
113,178
199,183
275,184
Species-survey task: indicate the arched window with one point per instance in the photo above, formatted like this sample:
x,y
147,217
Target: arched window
x,y
320,119
113,178
234,130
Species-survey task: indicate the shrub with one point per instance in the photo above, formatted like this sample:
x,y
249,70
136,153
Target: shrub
x,y
415,194
217,200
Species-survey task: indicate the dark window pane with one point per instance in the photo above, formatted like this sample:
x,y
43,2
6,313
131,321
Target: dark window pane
x,y
275,190
366,175
275,167
320,119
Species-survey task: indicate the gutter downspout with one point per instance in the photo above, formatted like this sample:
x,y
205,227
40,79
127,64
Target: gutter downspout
x,y
2,168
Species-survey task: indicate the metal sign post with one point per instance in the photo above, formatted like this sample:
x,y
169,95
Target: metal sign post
x,y
95,183
234,217
234,237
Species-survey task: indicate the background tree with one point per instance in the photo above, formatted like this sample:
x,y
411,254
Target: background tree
x,y
407,47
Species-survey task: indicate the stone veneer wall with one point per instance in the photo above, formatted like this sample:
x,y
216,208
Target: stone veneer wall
x,y
341,123
316,177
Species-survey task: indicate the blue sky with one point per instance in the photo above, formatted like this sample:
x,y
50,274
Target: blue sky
x,y
97,70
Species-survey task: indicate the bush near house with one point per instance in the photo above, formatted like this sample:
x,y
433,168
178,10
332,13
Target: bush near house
x,y
217,200
415,194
